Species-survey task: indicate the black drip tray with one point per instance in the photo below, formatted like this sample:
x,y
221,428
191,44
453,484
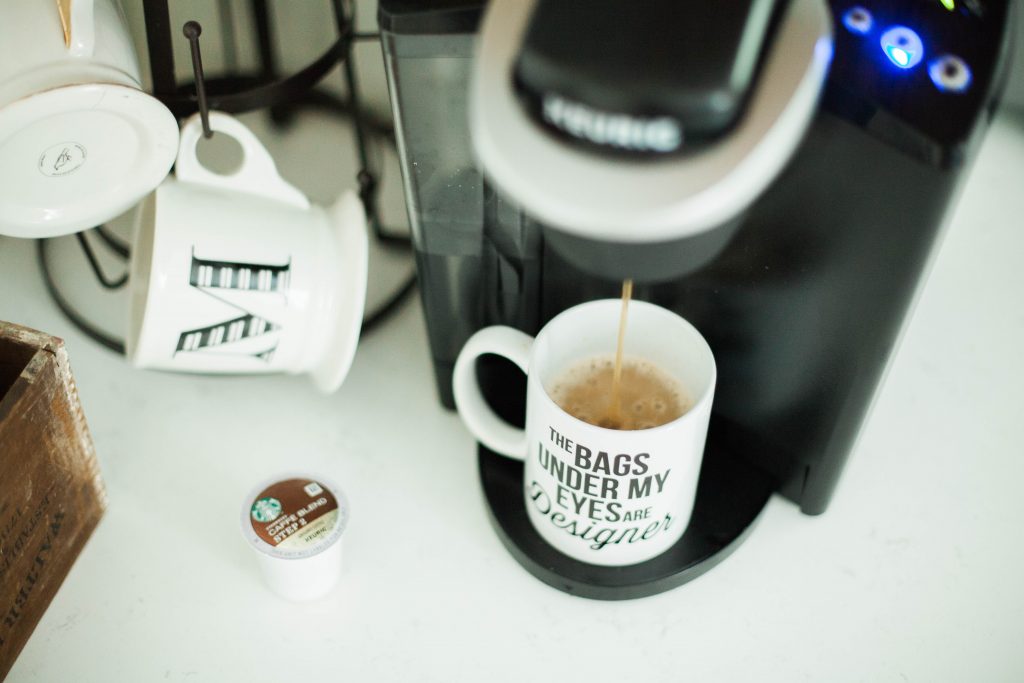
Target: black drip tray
x,y
730,496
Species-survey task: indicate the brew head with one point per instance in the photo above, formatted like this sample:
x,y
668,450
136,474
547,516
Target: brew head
x,y
645,262
647,128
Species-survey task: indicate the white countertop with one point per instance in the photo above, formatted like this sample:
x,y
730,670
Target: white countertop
x,y
913,574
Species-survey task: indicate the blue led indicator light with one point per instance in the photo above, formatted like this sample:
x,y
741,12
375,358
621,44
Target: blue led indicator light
x,y
950,74
899,56
903,47
858,20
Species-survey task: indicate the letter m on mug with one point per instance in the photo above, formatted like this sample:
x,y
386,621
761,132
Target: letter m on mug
x,y
240,287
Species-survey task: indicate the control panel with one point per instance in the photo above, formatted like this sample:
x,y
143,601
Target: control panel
x,y
917,72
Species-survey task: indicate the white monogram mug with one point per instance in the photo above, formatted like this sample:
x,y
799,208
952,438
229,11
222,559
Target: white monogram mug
x,y
80,142
241,274
603,496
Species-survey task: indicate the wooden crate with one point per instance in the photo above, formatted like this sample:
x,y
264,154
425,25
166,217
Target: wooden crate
x,y
51,493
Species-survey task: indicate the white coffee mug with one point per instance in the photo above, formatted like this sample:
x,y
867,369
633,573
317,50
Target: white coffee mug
x,y
80,142
241,274
602,496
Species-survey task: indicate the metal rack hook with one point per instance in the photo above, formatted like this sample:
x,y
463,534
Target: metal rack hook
x,y
192,31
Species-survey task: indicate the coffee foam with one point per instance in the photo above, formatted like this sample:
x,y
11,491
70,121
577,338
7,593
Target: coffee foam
x,y
649,396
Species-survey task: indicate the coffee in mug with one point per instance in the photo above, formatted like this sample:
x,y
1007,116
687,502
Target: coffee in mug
x,y
619,392
647,395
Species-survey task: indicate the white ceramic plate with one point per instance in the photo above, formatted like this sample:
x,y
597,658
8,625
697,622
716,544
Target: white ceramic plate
x,y
74,157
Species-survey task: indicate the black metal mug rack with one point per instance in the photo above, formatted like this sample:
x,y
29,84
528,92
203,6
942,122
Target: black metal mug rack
x,y
240,92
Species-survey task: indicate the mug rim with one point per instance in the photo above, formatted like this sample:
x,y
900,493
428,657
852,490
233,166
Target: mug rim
x,y
141,272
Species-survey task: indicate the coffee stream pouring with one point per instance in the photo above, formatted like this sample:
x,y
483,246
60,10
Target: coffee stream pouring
x,y
614,416
774,172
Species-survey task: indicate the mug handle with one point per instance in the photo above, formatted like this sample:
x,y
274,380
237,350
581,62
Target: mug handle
x,y
257,175
477,415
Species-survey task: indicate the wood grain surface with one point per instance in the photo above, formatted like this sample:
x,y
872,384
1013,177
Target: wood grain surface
x,y
51,492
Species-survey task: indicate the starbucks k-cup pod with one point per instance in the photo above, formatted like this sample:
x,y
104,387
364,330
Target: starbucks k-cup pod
x,y
295,523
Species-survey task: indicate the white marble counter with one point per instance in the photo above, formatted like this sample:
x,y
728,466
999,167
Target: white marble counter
x,y
913,574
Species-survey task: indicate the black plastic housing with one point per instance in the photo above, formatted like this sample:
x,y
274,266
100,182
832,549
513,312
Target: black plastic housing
x,y
802,301
693,64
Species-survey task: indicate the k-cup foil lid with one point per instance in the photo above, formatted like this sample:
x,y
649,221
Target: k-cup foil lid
x,y
294,516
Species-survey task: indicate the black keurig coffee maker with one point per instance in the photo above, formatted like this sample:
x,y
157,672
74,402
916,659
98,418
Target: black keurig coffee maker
x,y
775,171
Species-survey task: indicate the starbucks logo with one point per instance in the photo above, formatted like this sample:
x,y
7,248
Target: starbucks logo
x,y
62,159
266,509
